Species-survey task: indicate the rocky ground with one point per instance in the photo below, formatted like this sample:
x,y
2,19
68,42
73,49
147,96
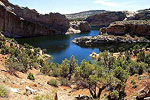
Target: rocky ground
x,y
17,86
107,39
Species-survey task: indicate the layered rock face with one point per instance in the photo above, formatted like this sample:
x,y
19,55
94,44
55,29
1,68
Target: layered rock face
x,y
84,26
133,27
92,41
141,15
84,14
105,19
78,27
23,22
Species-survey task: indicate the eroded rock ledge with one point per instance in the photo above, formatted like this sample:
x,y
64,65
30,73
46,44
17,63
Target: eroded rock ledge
x,y
132,27
98,40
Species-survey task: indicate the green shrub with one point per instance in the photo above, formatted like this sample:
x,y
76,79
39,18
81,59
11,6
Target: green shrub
x,y
137,68
114,95
3,92
12,65
53,83
133,84
44,97
38,97
31,76
65,82
139,78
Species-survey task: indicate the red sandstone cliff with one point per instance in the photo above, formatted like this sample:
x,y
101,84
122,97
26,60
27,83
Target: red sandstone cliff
x,y
104,19
133,27
17,21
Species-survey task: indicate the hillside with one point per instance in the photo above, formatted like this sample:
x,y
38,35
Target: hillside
x,y
84,14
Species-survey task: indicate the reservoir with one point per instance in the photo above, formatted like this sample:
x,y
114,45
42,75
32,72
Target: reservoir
x,y
61,46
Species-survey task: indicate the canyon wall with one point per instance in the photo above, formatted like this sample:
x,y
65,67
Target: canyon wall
x,y
23,22
104,19
141,15
132,27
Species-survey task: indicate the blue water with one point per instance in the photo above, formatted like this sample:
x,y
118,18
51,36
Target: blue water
x,y
61,47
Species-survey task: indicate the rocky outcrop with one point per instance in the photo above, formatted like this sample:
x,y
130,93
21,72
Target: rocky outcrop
x,y
105,19
84,14
143,92
133,27
141,15
81,25
78,27
107,39
73,31
23,22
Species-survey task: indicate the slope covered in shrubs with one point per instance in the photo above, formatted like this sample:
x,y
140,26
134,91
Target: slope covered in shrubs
x,y
20,57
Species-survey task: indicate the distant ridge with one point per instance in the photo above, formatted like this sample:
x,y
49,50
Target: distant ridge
x,y
84,14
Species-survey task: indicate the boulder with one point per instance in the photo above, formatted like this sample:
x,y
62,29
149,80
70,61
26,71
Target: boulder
x,y
14,90
144,92
30,91
104,19
73,31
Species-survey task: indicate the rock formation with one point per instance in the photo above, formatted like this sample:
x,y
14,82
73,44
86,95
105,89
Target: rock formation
x,y
141,15
89,41
105,19
84,14
23,22
132,27
81,25
78,27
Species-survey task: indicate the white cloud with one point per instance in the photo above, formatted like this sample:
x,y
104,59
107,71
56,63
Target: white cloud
x,y
111,3
105,3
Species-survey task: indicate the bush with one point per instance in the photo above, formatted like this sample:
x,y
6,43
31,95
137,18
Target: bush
x,y
137,68
44,97
65,82
114,95
31,76
53,83
133,84
64,68
3,92
38,97
14,66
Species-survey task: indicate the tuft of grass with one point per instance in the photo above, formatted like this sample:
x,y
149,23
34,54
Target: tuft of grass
x,y
3,92
53,83
38,97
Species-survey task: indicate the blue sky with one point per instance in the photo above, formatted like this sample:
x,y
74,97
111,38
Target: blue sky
x,y
73,6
